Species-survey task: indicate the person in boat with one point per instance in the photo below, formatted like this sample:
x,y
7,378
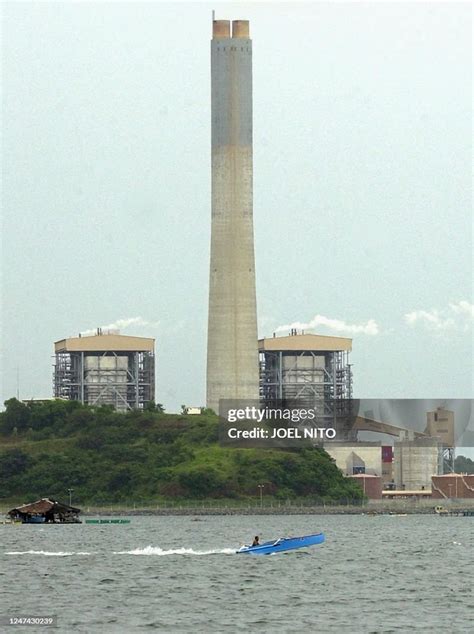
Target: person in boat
x,y
256,541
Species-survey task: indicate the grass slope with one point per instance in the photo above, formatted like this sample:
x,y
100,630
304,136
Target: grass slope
x,y
109,456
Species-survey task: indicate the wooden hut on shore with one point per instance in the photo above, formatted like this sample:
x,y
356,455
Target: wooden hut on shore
x,y
46,511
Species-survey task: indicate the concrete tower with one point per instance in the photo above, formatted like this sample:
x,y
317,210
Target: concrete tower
x,y
232,349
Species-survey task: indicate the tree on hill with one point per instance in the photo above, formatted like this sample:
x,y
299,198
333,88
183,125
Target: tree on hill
x,y
462,464
16,416
151,406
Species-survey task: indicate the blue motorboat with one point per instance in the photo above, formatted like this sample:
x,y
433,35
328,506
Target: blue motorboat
x,y
282,544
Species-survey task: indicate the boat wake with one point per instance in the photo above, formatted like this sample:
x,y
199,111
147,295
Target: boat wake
x,y
46,553
148,550
154,550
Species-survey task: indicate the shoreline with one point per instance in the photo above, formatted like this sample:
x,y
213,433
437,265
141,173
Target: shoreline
x,y
296,510
371,508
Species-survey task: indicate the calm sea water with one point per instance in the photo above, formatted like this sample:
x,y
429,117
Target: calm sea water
x,y
177,574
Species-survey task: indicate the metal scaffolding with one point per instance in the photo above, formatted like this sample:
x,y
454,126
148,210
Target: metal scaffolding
x,y
305,378
446,460
122,378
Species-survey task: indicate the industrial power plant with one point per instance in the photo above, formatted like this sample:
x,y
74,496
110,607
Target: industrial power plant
x,y
105,369
303,369
411,467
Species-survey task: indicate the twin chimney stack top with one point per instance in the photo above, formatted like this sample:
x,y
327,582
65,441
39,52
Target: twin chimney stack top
x,y
221,29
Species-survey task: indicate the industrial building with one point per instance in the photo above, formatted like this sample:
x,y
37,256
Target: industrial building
x,y
418,463
232,354
371,485
353,459
440,424
415,463
105,369
418,457
387,466
453,485
310,371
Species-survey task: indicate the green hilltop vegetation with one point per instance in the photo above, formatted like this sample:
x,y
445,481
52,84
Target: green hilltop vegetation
x,y
104,455
464,465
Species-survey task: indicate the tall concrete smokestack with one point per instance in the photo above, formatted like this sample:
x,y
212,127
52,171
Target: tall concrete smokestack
x,y
232,348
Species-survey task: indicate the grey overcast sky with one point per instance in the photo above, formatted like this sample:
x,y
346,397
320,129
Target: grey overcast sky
x,y
362,190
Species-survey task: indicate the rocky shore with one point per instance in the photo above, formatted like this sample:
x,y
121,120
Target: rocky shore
x,y
387,508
